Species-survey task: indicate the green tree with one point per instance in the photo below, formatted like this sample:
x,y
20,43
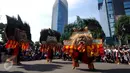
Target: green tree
x,y
93,26
122,29
2,27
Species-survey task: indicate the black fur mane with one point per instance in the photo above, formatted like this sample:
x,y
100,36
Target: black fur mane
x,y
13,23
48,32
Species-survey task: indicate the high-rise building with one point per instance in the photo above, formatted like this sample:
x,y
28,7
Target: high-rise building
x,y
100,2
103,16
60,15
110,11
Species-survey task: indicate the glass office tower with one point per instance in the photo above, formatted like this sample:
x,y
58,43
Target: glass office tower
x,y
110,11
127,7
59,15
104,16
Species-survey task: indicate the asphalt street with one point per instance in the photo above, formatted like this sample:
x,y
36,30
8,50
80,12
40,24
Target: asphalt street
x,y
59,66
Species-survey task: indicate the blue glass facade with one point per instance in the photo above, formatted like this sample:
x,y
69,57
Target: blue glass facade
x,y
109,0
100,1
127,7
104,19
107,17
60,15
110,11
111,19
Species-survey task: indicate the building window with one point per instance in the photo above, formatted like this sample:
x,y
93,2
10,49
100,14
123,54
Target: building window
x,y
126,5
109,1
112,29
59,28
127,11
113,32
110,12
111,20
100,1
112,24
111,16
109,6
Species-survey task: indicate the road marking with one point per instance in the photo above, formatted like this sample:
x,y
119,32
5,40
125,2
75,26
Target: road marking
x,y
8,65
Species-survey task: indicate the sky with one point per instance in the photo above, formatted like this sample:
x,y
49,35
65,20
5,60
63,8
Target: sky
x,y
38,13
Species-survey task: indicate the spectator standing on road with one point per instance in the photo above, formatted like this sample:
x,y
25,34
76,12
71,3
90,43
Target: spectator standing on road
x,y
0,51
115,55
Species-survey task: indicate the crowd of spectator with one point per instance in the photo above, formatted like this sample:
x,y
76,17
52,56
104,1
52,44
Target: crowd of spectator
x,y
113,54
116,54
28,55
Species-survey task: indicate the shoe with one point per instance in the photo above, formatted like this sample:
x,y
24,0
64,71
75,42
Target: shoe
x,y
73,68
92,69
47,62
118,63
19,63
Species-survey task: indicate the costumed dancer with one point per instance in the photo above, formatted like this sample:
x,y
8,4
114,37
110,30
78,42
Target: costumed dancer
x,y
90,49
15,36
43,49
51,37
101,51
75,59
83,49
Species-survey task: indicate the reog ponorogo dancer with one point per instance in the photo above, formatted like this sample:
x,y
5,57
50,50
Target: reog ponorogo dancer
x,y
81,47
18,38
49,40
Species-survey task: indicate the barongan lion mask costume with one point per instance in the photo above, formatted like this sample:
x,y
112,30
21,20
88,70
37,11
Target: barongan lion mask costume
x,y
49,40
18,36
81,47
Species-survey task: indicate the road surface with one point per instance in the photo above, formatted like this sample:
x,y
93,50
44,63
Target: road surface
x,y
59,66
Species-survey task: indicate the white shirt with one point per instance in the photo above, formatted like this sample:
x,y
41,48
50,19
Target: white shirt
x,y
115,50
108,51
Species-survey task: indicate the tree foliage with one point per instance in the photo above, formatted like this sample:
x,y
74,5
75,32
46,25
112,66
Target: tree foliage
x,y
92,24
122,27
2,27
